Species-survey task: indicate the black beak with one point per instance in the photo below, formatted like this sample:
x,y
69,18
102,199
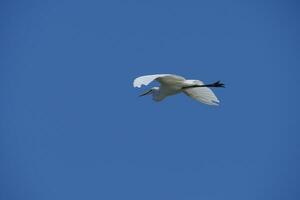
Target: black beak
x,y
145,93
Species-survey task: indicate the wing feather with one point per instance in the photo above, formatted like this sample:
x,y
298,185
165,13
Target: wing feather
x,y
162,78
203,94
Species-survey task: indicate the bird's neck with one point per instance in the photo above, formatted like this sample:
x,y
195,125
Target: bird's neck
x,y
157,95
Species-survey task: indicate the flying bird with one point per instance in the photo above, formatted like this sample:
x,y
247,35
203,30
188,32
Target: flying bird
x,y
173,84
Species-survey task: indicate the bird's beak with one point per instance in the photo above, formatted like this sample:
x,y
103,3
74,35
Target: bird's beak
x,y
145,93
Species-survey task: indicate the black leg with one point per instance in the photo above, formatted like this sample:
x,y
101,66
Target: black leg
x,y
216,84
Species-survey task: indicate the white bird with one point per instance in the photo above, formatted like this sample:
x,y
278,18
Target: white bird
x,y
172,84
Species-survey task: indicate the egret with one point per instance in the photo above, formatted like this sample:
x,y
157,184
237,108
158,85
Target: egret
x,y
171,84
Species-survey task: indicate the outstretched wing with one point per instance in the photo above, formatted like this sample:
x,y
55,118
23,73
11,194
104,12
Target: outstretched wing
x,y
203,94
162,78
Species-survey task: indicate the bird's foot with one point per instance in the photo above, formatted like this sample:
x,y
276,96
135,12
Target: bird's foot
x,y
218,84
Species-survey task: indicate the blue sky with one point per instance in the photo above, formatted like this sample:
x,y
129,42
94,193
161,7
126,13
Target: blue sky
x,y
72,126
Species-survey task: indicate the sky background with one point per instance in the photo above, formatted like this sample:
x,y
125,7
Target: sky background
x,y
72,126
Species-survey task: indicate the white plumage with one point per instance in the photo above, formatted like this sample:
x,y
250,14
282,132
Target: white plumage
x,y
173,84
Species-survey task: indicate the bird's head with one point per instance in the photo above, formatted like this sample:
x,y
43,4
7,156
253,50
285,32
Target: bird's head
x,y
151,91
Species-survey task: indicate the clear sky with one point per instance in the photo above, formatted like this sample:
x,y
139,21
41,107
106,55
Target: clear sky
x,y
72,126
